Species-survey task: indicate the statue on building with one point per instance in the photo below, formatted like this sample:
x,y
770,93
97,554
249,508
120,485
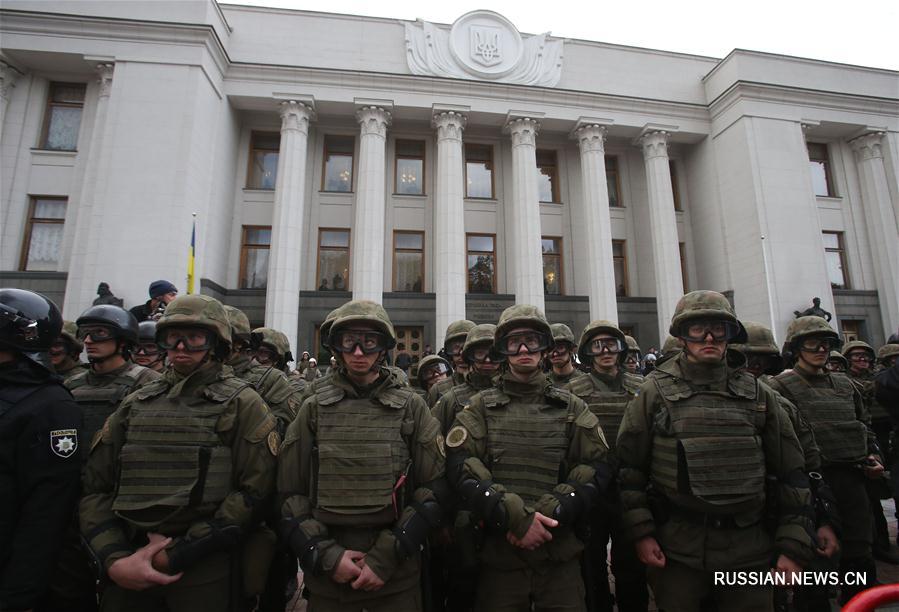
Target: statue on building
x,y
814,311
105,296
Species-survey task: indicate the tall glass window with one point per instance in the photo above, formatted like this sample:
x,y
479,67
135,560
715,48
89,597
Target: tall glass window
x,y
43,234
481,263
547,175
408,261
619,263
835,259
264,147
613,182
820,167
552,265
410,167
338,171
254,251
63,119
478,171
333,260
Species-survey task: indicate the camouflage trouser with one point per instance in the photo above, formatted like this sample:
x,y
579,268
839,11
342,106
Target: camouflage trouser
x,y
409,600
556,587
680,588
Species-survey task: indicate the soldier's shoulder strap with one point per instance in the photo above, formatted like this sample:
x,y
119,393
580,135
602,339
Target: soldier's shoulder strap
x,y
793,383
672,388
395,397
327,393
152,389
845,385
743,384
582,386
79,379
493,398
557,395
631,382
225,388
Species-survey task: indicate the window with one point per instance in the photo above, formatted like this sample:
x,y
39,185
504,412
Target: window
x,y
547,175
43,234
619,262
674,190
338,173
613,182
552,265
254,247
481,263
683,263
835,259
63,119
333,260
410,167
264,147
850,330
408,261
820,165
478,171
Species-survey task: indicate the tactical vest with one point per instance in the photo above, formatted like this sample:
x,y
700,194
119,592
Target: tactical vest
x,y
174,462
527,443
98,402
708,443
608,406
362,456
830,411
865,386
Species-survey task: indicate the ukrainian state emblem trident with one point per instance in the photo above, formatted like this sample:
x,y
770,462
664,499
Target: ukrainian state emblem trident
x,y
485,45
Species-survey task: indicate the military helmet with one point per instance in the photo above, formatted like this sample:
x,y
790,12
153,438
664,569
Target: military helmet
x,y
324,330
671,345
522,315
562,333
856,345
759,340
479,334
363,311
457,330
429,362
239,323
70,333
887,351
272,339
196,310
838,356
122,322
29,323
595,327
632,344
146,331
704,304
801,327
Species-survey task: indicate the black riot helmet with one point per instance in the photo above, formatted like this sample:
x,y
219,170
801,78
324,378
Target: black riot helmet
x,y
29,323
120,321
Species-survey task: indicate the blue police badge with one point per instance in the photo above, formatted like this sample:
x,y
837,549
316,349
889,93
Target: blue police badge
x,y
64,442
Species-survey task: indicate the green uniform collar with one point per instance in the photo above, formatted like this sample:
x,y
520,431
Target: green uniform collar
x,y
193,383
513,387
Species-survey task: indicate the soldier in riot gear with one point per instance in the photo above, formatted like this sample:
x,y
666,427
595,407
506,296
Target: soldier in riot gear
x,y
147,353
361,475
40,429
561,356
65,352
607,389
836,363
180,472
839,419
696,447
453,341
530,461
634,355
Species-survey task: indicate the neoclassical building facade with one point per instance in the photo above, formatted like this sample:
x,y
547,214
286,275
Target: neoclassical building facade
x,y
445,170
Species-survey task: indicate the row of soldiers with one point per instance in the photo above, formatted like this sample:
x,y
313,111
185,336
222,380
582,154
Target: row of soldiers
x,y
206,483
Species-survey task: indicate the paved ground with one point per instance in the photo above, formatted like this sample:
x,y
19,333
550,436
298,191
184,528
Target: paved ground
x,y
885,573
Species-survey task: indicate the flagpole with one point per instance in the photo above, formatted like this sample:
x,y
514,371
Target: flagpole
x,y
192,254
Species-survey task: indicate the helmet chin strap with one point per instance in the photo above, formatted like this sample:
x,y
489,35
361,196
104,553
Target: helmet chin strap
x,y
117,353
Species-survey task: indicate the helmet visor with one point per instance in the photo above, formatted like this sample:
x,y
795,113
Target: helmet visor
x,y
433,371
815,344
532,341
346,341
97,333
480,354
697,330
598,346
454,348
190,339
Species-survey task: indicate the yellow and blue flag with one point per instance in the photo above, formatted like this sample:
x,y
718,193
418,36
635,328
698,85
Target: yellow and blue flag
x,y
190,257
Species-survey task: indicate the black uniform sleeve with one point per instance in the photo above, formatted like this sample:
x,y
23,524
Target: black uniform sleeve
x,y
886,391
47,474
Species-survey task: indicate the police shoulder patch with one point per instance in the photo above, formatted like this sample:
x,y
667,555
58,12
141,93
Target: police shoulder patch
x,y
441,445
64,442
456,436
274,442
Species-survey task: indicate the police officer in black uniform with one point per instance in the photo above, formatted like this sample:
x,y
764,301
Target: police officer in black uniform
x,y
39,450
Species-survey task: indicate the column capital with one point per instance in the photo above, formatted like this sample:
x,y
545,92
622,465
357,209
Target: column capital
x,y
449,124
295,115
523,130
104,78
868,146
9,74
591,137
373,120
655,144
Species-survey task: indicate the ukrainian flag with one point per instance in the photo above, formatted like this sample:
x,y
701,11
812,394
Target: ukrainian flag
x,y
191,254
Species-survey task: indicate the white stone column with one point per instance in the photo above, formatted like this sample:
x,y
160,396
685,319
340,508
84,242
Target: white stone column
x,y
450,266
367,270
662,227
8,77
282,296
591,139
81,284
525,234
881,222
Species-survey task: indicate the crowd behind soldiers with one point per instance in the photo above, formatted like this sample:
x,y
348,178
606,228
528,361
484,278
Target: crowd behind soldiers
x,y
186,467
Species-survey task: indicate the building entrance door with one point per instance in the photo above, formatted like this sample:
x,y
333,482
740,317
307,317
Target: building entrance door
x,y
411,337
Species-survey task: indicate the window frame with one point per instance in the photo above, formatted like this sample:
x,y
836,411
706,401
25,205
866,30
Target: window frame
x,y
250,158
559,255
244,251
623,258
468,253
325,154
682,248
397,156
617,172
841,250
29,226
420,251
492,163
554,179
675,190
828,171
348,248
45,130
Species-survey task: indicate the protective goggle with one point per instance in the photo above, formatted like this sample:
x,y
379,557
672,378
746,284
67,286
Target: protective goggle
x,y
632,357
815,345
433,371
598,346
346,341
454,348
699,329
265,356
480,354
532,342
146,348
97,333
561,347
60,347
861,357
191,340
